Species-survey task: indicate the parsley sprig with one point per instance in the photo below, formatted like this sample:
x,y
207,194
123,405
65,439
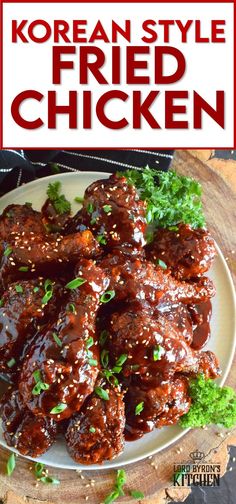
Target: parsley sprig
x,y
59,201
171,198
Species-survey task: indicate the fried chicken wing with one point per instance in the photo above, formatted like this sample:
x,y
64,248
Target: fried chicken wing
x,y
188,252
147,408
114,212
66,354
31,435
96,433
21,316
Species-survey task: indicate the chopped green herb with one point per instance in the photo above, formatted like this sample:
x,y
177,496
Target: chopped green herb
x,y
102,393
7,251
72,308
134,367
59,201
47,296
11,464
93,221
112,497
1,303
139,408
89,342
57,339
37,375
116,369
50,480
104,358
120,361
48,285
103,337
110,377
162,264
74,284
136,494
149,236
92,429
107,208
107,296
36,289
101,239
54,168
90,208
38,469
23,268
11,362
19,288
78,199
93,362
40,385
28,204
211,404
177,475
171,198
58,409
158,352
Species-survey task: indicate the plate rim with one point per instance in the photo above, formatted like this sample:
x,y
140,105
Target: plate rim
x,y
113,464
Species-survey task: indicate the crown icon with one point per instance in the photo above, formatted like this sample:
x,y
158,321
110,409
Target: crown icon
x,y
196,456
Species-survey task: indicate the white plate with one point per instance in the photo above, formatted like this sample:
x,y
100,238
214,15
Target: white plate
x,y
222,341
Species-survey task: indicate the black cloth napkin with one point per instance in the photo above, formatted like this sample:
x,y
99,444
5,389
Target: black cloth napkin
x,y
21,166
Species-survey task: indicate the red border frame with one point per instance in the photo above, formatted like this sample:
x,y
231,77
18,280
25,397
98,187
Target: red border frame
x,y
109,1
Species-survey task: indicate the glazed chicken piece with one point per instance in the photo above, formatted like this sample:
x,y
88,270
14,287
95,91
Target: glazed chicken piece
x,y
31,435
40,255
136,279
96,433
65,356
187,252
155,349
147,408
21,315
18,219
114,212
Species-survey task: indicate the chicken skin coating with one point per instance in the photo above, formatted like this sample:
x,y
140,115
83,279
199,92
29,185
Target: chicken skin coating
x,y
31,435
96,433
114,212
140,280
42,255
188,252
147,408
21,315
65,357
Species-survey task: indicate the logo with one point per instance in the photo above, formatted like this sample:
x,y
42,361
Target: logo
x,y
196,471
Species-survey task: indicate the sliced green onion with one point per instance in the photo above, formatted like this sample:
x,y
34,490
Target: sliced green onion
x,y
11,362
112,497
93,362
50,480
93,221
120,361
19,288
72,308
58,409
92,429
90,208
136,494
158,352
103,394
101,239
162,264
57,339
107,208
107,296
48,285
37,375
38,469
116,369
139,408
23,268
110,377
36,289
104,358
78,199
11,464
39,387
47,296
1,303
89,342
103,337
77,282
7,251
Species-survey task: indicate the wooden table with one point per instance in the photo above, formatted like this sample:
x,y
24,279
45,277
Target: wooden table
x,y
152,476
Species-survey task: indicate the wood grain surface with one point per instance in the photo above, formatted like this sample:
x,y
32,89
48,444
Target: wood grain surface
x,y
152,476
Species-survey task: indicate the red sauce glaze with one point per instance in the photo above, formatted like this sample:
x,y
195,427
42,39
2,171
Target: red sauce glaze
x,y
201,316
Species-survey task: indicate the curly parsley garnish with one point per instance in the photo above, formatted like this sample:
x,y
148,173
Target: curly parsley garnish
x,y
171,198
59,201
211,404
